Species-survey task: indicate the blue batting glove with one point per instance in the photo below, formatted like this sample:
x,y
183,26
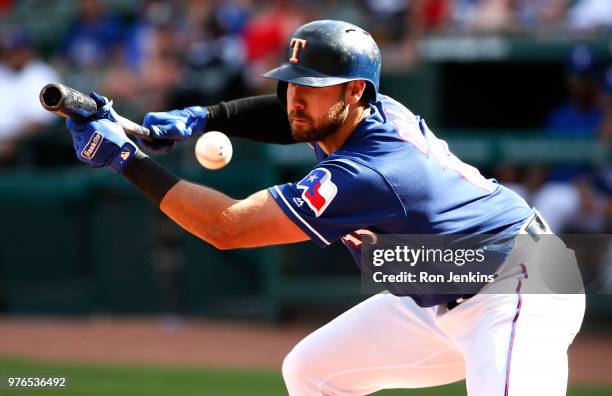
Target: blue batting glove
x,y
102,142
105,108
161,146
171,126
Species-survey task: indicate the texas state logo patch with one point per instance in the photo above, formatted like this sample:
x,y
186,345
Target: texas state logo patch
x,y
318,190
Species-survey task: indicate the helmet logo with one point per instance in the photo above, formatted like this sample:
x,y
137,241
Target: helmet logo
x,y
296,43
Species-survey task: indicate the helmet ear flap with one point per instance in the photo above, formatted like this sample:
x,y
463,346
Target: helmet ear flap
x,y
281,92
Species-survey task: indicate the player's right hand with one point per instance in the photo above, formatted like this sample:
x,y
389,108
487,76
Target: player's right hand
x,y
171,126
101,142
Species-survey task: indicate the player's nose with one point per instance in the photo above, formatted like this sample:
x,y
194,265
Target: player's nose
x,y
295,97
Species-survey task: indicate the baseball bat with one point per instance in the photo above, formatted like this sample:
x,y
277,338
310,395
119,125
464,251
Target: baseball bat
x,y
70,103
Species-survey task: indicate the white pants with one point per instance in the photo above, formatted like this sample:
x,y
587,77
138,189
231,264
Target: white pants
x,y
506,344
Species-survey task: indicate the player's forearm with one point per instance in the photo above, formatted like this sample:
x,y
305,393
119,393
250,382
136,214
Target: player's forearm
x,y
204,212
259,118
227,223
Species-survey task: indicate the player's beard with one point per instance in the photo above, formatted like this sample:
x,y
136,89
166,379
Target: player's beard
x,y
315,131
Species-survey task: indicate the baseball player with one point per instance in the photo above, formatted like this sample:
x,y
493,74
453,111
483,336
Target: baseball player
x,y
380,171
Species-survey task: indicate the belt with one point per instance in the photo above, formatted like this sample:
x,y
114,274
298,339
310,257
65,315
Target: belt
x,y
535,228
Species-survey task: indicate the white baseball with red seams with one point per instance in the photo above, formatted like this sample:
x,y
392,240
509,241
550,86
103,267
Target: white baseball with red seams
x,y
213,150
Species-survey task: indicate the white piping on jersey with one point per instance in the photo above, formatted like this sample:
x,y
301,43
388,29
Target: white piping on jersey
x,y
300,217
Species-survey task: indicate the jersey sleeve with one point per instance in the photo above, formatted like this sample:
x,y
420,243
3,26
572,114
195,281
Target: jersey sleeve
x,y
336,198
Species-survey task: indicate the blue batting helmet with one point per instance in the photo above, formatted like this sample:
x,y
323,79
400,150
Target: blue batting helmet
x,y
327,52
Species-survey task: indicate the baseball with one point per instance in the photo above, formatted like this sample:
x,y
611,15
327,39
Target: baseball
x,y
213,150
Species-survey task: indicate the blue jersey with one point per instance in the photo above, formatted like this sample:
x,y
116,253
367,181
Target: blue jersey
x,y
394,176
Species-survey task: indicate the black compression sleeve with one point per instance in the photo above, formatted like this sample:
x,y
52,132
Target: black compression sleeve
x,y
260,118
150,177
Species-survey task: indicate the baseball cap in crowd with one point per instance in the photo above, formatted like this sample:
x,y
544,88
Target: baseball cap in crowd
x,y
583,61
15,38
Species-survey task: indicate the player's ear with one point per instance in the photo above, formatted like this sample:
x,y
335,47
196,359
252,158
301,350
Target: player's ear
x,y
355,91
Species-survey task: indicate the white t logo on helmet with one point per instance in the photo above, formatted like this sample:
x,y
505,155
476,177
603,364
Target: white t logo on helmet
x,y
296,43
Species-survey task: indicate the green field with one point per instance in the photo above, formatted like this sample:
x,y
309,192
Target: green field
x,y
115,380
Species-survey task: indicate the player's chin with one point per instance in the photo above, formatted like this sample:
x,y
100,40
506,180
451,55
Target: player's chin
x,y
301,133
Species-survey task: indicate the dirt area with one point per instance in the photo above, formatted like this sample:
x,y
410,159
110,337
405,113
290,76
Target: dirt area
x,y
211,344
190,343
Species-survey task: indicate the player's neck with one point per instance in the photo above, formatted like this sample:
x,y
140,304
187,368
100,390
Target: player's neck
x,y
334,141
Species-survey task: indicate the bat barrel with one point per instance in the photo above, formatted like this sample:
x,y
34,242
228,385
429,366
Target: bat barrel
x,y
50,96
70,103
67,102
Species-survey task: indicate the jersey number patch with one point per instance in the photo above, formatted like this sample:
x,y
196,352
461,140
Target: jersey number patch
x,y
318,190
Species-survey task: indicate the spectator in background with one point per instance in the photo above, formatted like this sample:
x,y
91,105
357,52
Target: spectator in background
x,y
22,75
5,6
595,192
232,16
265,36
590,14
388,19
508,15
397,26
140,37
215,61
566,197
92,37
462,12
435,14
603,180
605,132
582,114
149,65
493,16
484,15
538,14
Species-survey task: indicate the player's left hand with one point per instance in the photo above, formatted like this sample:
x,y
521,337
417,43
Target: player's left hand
x,y
171,126
102,142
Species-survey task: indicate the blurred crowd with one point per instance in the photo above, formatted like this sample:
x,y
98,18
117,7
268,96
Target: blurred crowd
x,y
574,198
153,55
